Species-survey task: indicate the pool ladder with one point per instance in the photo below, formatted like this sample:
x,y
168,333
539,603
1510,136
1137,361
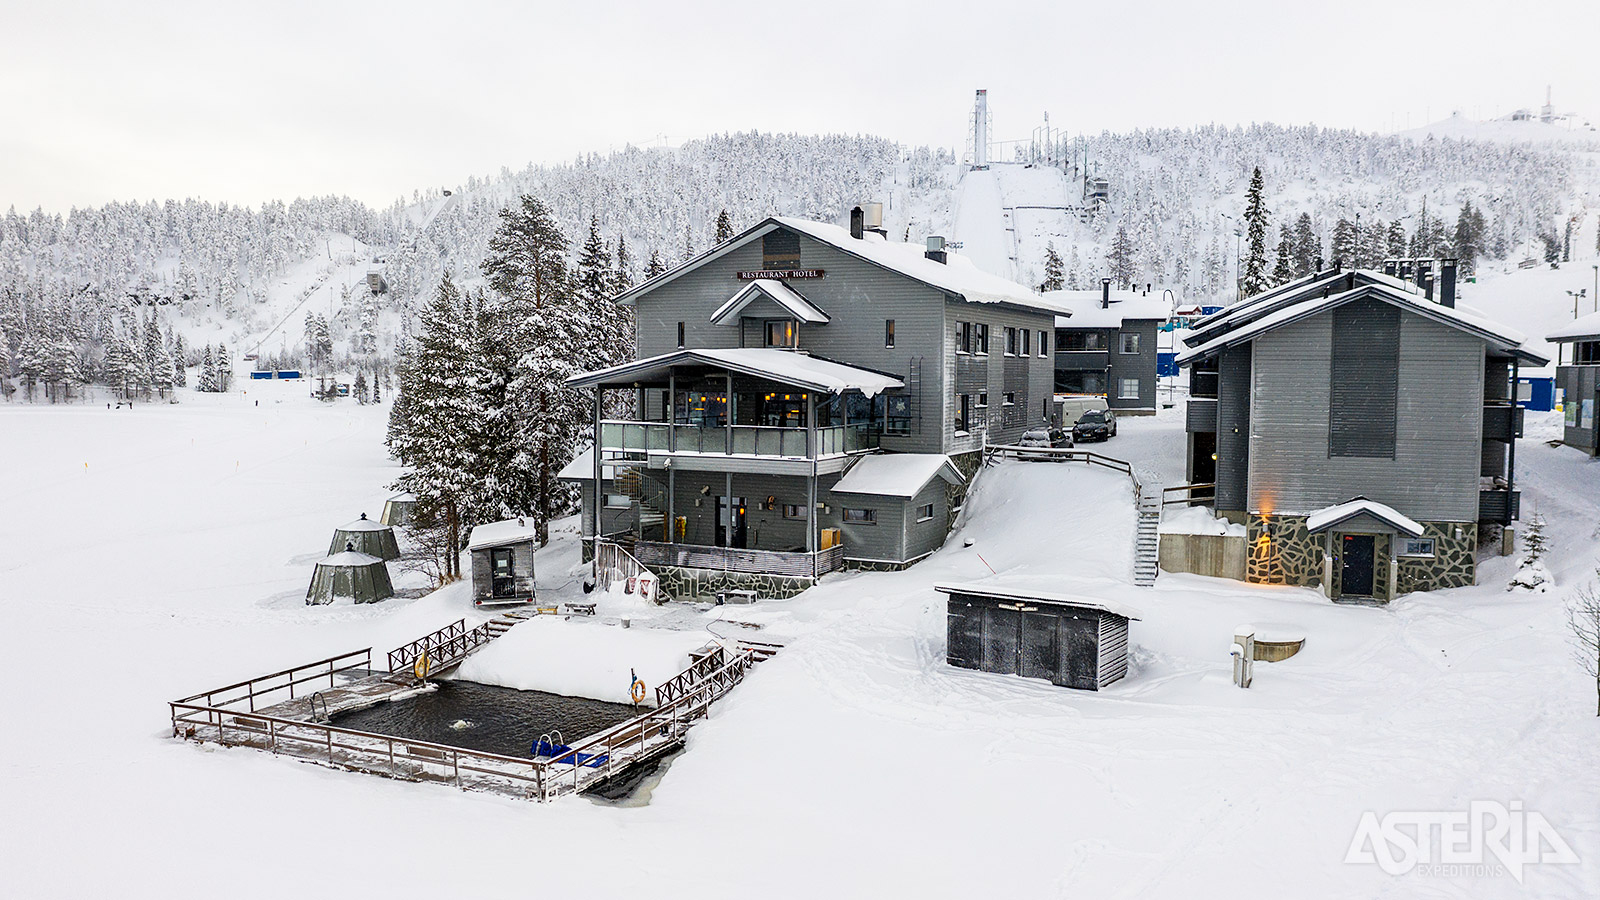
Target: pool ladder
x,y
324,717
553,738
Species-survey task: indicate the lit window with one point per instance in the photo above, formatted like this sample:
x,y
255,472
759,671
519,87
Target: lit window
x,y
861,516
783,333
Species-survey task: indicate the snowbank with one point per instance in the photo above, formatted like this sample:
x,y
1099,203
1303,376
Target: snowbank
x,y
1198,520
582,658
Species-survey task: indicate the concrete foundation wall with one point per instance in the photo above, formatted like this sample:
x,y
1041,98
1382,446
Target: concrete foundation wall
x,y
1216,555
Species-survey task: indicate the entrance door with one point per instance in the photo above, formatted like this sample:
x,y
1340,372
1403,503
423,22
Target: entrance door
x,y
1355,565
730,509
503,582
1203,467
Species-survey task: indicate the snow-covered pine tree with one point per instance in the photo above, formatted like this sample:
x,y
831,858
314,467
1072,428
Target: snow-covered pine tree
x,y
1397,241
360,387
1346,243
688,243
609,335
723,228
1120,261
1053,280
224,368
654,266
527,267
1467,238
622,273
1532,573
1375,244
1283,269
156,360
433,426
1307,247
207,382
1256,277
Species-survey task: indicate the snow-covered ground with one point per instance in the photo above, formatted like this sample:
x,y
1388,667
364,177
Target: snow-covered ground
x,y
854,764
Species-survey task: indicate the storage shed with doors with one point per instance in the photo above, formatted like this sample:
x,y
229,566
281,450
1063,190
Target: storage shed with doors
x,y
894,508
397,510
349,573
366,536
1016,629
502,562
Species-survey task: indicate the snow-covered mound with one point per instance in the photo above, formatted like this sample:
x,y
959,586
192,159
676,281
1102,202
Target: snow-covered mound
x,y
582,658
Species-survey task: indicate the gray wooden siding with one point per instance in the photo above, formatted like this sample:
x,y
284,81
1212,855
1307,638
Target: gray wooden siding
x,y
1434,474
767,529
926,537
856,295
971,374
1233,429
1576,383
1365,364
1141,365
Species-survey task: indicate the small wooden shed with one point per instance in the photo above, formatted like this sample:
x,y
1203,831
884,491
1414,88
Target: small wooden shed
x,y
1016,629
502,562
366,536
362,578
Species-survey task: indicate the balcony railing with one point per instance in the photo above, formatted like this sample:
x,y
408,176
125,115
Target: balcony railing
x,y
737,559
1503,507
1502,422
747,440
1083,359
1200,415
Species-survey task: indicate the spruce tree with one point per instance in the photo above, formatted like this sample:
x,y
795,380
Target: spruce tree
x,y
156,360
622,273
1307,247
1467,238
360,388
1397,240
1255,278
1283,270
654,266
1346,243
1053,265
1120,261
208,372
724,228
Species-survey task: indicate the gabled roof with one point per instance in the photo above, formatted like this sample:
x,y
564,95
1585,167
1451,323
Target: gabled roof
x,y
1586,328
776,291
896,474
1006,588
958,275
1330,281
1497,336
783,366
1327,517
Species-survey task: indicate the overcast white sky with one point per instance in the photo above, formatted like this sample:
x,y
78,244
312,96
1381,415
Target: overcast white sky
x,y
244,102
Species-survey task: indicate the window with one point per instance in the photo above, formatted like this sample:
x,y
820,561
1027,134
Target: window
x,y
963,337
861,516
1026,337
780,250
783,333
794,511
924,512
1044,414
1128,388
1071,341
1044,343
980,338
1011,341
1364,382
1009,397
964,413
1130,343
888,333
983,400
1585,353
680,335
1417,547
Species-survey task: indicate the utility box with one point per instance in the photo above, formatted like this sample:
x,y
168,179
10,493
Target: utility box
x,y
1009,629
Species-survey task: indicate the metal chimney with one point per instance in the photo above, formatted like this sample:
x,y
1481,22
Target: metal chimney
x,y
1105,293
935,249
1390,267
1427,287
1447,283
857,222
1424,269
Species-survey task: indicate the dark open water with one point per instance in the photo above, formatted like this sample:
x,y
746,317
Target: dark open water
x,y
498,720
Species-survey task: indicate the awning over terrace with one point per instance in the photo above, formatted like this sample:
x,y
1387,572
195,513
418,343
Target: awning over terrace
x,y
782,366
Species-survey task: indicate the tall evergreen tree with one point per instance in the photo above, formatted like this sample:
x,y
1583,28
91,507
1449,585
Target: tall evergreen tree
x,y
1307,247
622,274
1120,261
1256,277
1468,238
1397,240
654,266
156,360
1346,243
1053,265
1283,270
724,228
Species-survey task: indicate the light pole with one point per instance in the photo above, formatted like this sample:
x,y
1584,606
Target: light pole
x,y
1596,294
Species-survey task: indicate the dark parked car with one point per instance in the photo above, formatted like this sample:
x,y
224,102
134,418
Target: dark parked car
x,y
1046,437
1095,425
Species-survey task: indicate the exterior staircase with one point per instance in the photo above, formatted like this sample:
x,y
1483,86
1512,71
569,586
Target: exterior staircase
x,y
651,516
1147,538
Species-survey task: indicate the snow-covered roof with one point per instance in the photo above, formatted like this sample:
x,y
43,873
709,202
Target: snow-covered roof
x,y
582,468
1327,517
783,366
1586,328
349,559
896,474
1005,588
1506,339
1084,310
364,524
774,290
957,275
403,497
510,531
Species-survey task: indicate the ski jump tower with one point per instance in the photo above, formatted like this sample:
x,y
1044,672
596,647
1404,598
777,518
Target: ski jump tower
x,y
978,131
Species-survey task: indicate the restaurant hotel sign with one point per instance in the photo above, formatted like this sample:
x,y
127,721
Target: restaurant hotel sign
x,y
778,274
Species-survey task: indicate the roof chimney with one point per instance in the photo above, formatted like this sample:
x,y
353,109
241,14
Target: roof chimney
x,y
1427,287
858,222
1105,293
1390,267
1447,283
935,250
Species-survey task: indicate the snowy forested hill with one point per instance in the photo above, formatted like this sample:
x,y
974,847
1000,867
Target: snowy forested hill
x,y
79,289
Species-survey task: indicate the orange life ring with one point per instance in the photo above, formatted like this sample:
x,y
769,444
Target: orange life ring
x,y
637,691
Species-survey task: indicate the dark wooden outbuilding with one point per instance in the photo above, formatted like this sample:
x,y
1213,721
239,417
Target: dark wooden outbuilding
x,y
502,562
1071,641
